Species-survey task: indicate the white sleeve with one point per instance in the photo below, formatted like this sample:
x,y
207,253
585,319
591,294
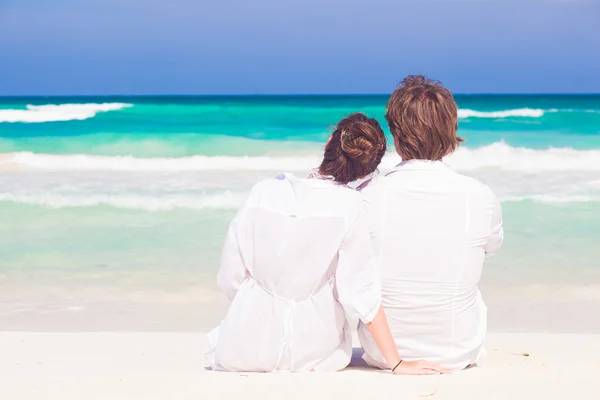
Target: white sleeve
x,y
357,280
497,235
232,271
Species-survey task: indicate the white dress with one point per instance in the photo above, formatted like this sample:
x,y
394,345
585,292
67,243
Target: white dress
x,y
297,262
432,229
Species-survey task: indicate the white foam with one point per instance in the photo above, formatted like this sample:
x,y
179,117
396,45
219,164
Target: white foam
x,y
501,156
226,200
128,163
59,112
498,156
223,200
520,112
556,199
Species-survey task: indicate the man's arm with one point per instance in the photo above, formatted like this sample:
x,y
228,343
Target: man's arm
x,y
497,234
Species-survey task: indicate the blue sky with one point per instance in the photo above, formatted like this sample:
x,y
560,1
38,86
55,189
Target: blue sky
x,y
66,47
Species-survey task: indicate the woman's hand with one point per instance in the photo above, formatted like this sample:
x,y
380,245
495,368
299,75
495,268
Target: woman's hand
x,y
381,333
419,367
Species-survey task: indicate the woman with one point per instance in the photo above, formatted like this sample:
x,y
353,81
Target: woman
x,y
298,262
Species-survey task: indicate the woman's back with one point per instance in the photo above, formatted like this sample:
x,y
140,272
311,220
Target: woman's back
x,y
280,266
293,232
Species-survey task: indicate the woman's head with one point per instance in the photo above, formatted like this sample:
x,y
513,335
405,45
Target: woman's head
x,y
354,150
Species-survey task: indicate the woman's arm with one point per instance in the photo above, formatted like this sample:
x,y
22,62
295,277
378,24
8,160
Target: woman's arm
x,y
232,271
380,331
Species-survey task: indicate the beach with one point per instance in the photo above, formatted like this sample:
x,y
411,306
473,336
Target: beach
x,y
113,213
134,336
169,366
189,301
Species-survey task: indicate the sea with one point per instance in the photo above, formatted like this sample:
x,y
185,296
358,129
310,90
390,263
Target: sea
x,y
149,184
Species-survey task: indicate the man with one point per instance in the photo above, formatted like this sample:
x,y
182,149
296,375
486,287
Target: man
x,y
432,229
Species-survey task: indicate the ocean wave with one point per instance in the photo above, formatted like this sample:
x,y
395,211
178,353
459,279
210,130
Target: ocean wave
x,y
58,112
464,113
498,156
226,200
501,156
520,112
552,198
128,163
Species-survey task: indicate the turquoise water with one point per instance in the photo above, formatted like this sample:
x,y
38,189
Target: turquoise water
x,y
183,126
151,182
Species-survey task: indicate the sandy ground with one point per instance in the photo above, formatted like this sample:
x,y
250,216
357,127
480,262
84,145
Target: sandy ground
x,y
188,301
92,337
124,366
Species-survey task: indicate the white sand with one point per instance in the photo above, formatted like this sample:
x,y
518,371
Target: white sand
x,y
119,366
124,365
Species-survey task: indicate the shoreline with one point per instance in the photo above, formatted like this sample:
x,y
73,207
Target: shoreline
x,y
186,300
575,317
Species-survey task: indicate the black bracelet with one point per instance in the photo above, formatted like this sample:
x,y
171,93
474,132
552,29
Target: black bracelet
x,y
397,365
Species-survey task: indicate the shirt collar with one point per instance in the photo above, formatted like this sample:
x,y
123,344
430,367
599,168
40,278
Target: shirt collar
x,y
352,185
426,165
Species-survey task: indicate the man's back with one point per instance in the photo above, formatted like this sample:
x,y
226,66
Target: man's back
x,y
432,229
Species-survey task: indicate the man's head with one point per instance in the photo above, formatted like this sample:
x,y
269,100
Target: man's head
x,y
423,119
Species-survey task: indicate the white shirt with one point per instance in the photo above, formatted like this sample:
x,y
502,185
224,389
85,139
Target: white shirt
x,y
297,262
431,230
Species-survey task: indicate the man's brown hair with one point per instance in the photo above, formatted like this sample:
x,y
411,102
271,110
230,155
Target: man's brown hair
x,y
423,118
354,150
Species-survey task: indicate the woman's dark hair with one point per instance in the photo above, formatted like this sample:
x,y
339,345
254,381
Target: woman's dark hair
x,y
354,150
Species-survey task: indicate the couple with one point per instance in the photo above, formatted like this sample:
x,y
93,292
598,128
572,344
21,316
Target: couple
x,y
403,253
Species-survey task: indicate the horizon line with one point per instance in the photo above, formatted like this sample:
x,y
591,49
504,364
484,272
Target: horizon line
x,y
290,95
